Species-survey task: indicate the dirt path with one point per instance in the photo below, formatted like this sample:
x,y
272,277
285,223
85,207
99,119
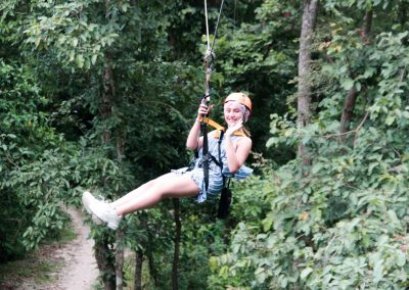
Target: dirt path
x,y
75,264
80,270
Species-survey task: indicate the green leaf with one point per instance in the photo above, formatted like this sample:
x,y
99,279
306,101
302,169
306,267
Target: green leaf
x,y
79,60
347,83
305,272
390,119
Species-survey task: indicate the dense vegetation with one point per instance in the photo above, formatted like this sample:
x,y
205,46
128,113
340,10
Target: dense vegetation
x,y
100,95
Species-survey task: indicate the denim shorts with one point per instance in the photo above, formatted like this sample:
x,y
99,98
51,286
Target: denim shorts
x,y
197,175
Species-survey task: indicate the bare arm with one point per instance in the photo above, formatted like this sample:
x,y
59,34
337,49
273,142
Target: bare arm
x,y
194,140
236,153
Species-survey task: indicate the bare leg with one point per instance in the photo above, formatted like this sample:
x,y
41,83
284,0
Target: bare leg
x,y
168,185
132,194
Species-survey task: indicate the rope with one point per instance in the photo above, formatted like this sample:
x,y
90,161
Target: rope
x,y
211,47
207,25
209,55
217,24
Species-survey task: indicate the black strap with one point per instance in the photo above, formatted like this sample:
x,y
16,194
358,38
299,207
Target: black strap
x,y
220,150
207,157
226,194
205,160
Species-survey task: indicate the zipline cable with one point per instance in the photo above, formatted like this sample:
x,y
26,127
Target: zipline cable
x,y
217,24
209,54
207,25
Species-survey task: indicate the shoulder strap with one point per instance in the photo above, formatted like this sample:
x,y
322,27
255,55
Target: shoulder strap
x,y
219,143
220,160
226,194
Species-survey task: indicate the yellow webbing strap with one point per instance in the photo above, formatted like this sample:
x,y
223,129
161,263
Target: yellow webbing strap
x,y
219,128
213,124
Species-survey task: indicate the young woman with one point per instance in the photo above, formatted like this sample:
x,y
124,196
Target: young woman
x,y
188,182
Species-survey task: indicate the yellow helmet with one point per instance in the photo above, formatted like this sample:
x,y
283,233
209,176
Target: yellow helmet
x,y
241,98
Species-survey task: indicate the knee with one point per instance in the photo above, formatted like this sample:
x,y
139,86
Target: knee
x,y
159,190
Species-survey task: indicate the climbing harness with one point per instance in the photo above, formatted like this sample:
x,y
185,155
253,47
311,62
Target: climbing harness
x,y
209,57
225,195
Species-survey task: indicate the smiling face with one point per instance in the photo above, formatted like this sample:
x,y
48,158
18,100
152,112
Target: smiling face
x,y
233,112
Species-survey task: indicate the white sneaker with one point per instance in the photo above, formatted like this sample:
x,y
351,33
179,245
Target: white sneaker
x,y
87,199
100,211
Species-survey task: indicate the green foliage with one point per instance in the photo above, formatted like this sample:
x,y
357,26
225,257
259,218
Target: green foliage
x,y
70,30
264,47
344,226
341,227
34,170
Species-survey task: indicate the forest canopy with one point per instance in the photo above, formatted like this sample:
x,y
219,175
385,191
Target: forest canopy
x,y
100,95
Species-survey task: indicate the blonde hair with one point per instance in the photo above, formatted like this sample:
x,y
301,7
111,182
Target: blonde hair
x,y
246,113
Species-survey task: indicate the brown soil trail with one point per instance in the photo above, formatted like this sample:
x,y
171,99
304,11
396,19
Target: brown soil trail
x,y
80,270
75,264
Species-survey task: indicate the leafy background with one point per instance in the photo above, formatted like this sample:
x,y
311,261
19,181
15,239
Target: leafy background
x,y
343,226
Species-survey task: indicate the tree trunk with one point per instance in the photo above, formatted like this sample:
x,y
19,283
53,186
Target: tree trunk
x,y
103,253
367,26
120,234
115,276
138,270
104,258
304,71
403,13
350,100
149,249
178,232
119,259
153,271
347,112
107,97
